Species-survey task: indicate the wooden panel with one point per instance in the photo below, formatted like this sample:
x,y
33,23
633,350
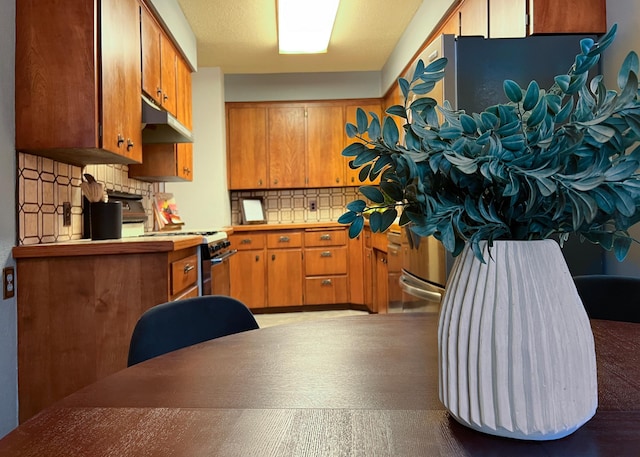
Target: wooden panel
x,y
184,273
325,142
286,147
248,277
568,16
150,44
474,18
189,293
356,270
247,148
337,237
284,240
75,318
381,282
326,261
284,277
326,290
184,94
245,241
507,18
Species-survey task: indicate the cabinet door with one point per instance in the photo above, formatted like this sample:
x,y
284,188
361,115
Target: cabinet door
x,y
325,142
150,45
164,162
286,147
184,157
507,18
474,18
568,16
247,272
350,117
184,94
356,270
368,278
247,148
381,278
168,70
121,73
284,277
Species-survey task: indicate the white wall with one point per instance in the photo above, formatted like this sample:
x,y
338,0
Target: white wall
x,y
8,316
204,202
625,13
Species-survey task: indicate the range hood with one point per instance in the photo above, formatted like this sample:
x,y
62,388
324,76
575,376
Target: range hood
x,y
159,126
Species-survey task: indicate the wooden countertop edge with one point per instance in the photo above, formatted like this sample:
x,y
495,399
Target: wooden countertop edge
x,y
287,226
134,245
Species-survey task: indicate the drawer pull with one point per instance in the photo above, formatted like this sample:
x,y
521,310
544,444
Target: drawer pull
x,y
245,241
325,237
284,239
325,254
273,257
326,282
188,268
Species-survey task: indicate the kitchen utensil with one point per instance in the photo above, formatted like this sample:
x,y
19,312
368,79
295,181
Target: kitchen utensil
x,y
92,189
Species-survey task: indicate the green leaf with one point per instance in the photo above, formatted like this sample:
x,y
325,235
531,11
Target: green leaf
x,y
531,96
357,206
563,81
397,110
362,121
375,221
621,171
468,124
388,218
354,149
372,193
347,217
538,113
621,247
512,90
404,87
356,227
390,132
630,64
437,65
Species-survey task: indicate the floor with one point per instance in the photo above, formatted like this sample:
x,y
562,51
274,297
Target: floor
x,y
269,320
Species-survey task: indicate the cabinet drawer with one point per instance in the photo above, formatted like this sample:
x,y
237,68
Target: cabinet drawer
x,y
284,240
326,290
315,238
184,273
329,261
189,293
244,242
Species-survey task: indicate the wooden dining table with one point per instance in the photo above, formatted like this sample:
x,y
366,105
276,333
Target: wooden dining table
x,y
349,386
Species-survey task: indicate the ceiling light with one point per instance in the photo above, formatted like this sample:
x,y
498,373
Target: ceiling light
x,y
304,26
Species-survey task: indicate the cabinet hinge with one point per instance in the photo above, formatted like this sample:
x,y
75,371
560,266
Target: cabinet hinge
x,y
526,19
100,132
306,113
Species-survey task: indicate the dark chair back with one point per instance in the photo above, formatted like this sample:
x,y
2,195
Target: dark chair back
x,y
174,325
615,298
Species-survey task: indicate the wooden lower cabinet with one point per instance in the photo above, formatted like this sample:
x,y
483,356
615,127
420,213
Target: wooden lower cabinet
x,y
284,269
247,269
76,314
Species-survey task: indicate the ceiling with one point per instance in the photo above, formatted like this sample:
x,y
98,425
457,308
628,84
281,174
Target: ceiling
x,y
240,36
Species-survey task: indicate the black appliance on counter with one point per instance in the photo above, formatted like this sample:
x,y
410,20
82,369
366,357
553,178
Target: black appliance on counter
x,y
134,216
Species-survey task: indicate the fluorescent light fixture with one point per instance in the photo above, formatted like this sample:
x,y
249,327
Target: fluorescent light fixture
x,y
304,26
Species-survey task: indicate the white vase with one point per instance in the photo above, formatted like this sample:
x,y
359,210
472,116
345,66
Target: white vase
x,y
516,350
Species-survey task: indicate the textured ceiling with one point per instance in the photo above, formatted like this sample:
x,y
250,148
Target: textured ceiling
x,y
240,36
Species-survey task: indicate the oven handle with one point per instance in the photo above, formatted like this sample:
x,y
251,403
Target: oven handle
x,y
419,292
222,257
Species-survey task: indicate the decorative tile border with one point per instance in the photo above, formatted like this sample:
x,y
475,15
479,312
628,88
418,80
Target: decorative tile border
x,y
44,185
294,206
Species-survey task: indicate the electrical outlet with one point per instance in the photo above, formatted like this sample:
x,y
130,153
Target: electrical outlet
x,y
8,282
66,214
312,205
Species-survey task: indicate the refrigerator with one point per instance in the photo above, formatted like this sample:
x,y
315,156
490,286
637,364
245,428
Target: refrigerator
x,y
473,80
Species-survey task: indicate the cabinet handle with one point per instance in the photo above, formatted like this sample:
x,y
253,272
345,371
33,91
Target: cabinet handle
x,y
260,182
129,144
120,140
325,254
325,237
284,239
326,282
337,179
383,260
165,98
246,241
273,257
188,268
186,170
159,92
353,179
275,181
257,258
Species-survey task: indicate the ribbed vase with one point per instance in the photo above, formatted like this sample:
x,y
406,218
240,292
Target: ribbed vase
x,y
516,350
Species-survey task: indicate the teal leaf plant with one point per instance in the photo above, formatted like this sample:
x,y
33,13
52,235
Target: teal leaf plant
x,y
549,162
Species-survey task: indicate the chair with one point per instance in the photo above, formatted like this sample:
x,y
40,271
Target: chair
x,y
174,325
615,298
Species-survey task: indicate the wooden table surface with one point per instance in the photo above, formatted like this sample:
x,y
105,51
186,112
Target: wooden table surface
x,y
350,386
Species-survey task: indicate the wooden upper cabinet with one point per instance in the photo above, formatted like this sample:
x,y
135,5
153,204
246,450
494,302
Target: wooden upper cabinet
x,y
473,17
286,147
164,163
76,103
507,18
325,142
247,147
352,178
568,16
184,111
159,60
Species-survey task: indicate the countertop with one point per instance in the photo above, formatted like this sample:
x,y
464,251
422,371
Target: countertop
x,y
131,245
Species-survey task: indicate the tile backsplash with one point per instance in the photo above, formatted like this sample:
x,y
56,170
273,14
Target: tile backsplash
x,y
287,206
43,185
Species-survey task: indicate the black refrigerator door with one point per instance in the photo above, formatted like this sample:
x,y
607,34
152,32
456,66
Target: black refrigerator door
x,y
482,65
